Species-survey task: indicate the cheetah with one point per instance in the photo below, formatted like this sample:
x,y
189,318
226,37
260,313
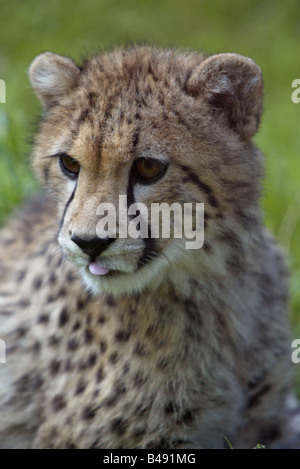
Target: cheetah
x,y
139,342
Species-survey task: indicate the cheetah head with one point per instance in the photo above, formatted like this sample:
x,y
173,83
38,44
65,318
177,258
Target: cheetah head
x,y
152,126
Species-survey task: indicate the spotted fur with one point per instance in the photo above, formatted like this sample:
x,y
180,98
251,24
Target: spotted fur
x,y
175,348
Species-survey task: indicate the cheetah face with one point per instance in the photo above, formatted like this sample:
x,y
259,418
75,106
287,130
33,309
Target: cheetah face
x,y
147,127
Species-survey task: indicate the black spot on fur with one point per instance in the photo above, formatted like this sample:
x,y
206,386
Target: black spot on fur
x,y
169,409
103,346
135,139
50,299
163,363
54,340
21,331
113,358
99,375
80,304
187,417
92,98
61,293
92,359
36,347
81,386
101,319
43,319
58,402
72,344
120,387
76,326
142,410
89,413
28,384
111,400
63,317
52,278
84,115
207,248
139,379
122,336
139,349
255,399
257,380
126,368
54,367
71,277
110,301
68,366
88,336
119,426
161,99
193,313
138,433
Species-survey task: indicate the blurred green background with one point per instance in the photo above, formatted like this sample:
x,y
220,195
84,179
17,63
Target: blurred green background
x,y
266,30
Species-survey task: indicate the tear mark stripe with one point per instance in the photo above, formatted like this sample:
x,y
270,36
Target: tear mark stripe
x,y
205,188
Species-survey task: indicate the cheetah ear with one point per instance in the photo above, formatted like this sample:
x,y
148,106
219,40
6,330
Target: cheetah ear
x,y
232,86
53,76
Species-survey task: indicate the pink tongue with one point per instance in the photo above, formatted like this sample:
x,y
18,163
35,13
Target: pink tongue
x,y
97,269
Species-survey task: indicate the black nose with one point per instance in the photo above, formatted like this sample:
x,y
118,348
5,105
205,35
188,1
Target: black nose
x,y
94,246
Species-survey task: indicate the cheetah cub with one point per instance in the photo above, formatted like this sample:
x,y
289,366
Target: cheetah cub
x,y
138,342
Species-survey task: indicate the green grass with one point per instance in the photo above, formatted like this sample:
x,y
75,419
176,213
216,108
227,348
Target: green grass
x,y
268,31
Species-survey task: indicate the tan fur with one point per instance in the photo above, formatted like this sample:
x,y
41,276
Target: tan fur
x,y
178,348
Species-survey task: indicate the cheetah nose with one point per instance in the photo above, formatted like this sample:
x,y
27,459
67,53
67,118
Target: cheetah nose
x,y
94,246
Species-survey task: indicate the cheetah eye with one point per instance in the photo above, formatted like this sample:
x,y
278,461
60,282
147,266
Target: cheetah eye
x,y
69,166
148,170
